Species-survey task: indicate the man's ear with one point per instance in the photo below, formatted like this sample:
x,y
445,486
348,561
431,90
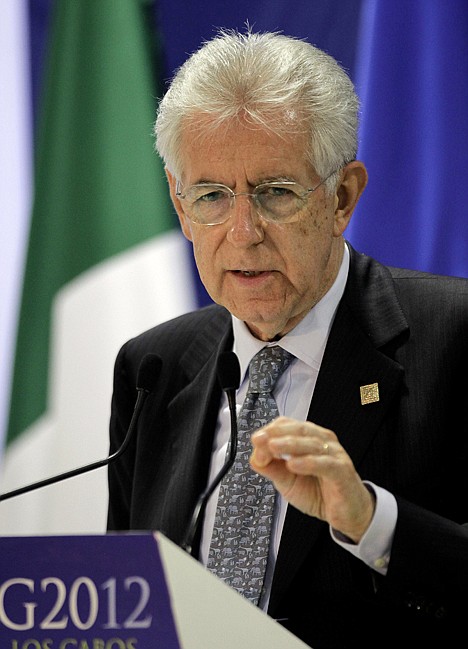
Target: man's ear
x,y
183,219
348,193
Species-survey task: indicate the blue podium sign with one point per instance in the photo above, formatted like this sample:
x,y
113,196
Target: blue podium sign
x,y
84,592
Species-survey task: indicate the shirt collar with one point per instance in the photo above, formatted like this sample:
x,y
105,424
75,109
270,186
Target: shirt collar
x,y
308,338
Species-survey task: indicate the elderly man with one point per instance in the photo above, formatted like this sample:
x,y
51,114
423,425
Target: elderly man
x,y
348,524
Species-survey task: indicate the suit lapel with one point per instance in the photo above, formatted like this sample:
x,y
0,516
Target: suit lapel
x,y
358,354
192,417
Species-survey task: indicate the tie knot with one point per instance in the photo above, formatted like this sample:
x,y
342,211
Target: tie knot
x,y
266,367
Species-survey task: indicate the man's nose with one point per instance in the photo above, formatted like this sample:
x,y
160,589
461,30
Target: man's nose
x,y
245,224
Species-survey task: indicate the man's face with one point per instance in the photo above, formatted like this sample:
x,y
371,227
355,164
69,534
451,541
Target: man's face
x,y
266,274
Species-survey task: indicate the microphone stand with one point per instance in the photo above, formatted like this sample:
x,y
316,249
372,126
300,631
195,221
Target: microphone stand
x,y
232,377
150,367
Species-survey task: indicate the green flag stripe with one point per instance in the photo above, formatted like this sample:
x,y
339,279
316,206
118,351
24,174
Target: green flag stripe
x,y
99,186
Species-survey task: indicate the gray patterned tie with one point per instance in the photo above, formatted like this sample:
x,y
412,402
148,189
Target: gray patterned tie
x,y
241,535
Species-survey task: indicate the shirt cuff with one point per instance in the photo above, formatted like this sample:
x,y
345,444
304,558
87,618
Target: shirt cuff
x,y
375,546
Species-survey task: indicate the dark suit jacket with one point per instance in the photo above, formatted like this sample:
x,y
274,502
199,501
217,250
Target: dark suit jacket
x,y
406,331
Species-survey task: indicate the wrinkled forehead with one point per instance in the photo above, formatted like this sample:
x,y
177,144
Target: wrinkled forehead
x,y
205,140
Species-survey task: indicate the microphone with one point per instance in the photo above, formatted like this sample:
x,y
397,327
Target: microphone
x,y
148,373
228,371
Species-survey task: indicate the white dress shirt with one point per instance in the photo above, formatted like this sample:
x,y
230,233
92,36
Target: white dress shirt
x,y
293,394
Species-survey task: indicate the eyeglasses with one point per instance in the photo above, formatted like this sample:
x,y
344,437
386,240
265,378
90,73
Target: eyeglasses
x,y
277,202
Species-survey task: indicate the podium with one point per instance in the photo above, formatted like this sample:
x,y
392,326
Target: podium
x,y
122,591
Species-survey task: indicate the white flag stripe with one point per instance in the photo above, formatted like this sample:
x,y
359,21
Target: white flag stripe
x,y
123,296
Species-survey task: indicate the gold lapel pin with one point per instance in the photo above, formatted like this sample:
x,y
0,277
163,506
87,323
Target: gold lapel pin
x,y
369,393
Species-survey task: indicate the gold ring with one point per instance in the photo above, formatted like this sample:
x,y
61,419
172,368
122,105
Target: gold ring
x,y
325,447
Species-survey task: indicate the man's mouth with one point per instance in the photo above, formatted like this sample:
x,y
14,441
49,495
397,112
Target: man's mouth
x,y
250,273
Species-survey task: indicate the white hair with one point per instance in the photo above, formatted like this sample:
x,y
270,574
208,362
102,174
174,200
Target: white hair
x,y
274,81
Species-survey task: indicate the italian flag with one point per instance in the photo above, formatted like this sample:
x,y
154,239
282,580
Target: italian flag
x,y
105,259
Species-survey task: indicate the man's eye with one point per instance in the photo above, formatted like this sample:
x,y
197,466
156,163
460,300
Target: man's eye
x,y
212,197
276,191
